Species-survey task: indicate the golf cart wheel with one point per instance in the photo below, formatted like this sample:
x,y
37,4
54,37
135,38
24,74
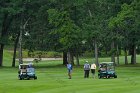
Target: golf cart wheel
x,y
20,78
99,77
107,76
28,77
115,76
35,77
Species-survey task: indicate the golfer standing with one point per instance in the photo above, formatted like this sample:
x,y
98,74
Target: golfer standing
x,y
69,67
93,68
86,69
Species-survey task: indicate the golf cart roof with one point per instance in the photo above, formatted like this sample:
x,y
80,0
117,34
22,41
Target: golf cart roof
x,y
25,64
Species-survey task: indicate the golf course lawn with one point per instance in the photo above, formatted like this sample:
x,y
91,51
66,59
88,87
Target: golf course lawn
x,y
54,79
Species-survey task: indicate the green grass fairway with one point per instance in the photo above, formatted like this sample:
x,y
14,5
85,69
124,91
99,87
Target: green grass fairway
x,y
54,79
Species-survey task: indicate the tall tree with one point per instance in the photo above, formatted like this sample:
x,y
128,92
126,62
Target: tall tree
x,y
7,11
126,21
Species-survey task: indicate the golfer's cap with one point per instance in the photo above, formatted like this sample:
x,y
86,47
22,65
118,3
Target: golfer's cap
x,y
86,61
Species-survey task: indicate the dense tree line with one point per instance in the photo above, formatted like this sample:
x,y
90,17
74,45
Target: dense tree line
x,y
72,27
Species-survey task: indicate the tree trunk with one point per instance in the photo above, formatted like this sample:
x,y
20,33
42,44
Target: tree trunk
x,y
106,51
133,55
22,29
96,52
126,59
70,58
118,55
113,54
15,48
94,43
77,60
65,58
1,54
5,25
20,46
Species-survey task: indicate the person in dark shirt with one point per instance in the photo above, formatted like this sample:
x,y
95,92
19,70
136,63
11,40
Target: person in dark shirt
x,y
86,69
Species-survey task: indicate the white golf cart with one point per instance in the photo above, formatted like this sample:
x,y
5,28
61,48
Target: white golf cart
x,y
26,71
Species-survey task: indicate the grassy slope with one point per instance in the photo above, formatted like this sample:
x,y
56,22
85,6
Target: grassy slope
x,y
52,78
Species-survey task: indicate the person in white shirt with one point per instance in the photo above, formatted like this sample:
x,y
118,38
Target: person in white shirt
x,y
93,68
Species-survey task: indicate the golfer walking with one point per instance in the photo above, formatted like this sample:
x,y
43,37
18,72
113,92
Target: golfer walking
x,y
69,67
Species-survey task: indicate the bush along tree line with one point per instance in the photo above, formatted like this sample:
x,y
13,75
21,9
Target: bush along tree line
x,y
71,27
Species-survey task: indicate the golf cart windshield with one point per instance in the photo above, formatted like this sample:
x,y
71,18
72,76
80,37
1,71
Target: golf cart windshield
x,y
110,66
30,70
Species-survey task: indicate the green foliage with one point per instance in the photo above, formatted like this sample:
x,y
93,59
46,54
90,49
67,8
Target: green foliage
x,y
69,33
4,40
126,22
62,25
120,20
54,54
88,54
41,54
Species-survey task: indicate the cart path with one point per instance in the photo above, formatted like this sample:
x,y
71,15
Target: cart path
x,y
42,59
